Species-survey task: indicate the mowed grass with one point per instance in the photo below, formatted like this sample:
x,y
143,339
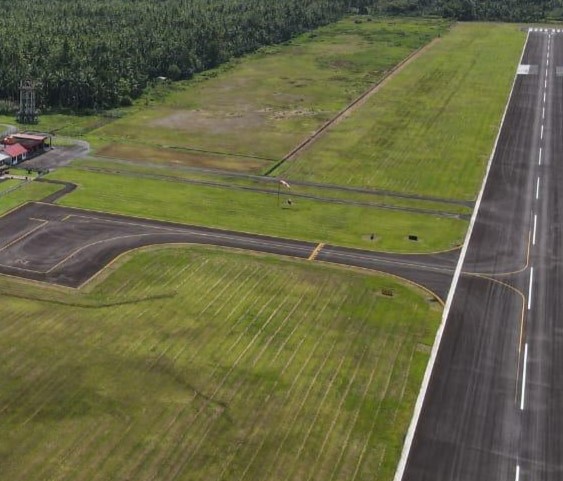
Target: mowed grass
x,y
431,129
61,124
9,184
27,192
255,212
177,157
266,103
193,364
234,180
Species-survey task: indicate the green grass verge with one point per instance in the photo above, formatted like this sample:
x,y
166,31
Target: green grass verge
x,y
62,124
157,171
259,213
266,103
194,364
28,192
9,184
431,129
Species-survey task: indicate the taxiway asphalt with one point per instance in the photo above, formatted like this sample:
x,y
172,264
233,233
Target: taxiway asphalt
x,y
67,246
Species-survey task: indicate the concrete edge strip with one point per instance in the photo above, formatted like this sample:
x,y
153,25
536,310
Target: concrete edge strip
x,y
429,368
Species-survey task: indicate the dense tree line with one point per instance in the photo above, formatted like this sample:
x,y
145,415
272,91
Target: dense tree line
x,y
505,10
98,54
101,53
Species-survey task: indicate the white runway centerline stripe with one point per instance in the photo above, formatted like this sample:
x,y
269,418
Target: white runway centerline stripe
x,y
544,97
535,227
539,158
541,134
522,398
538,189
545,84
517,476
530,288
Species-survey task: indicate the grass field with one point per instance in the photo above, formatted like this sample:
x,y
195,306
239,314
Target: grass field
x,y
264,104
431,129
255,212
9,184
192,364
234,180
29,191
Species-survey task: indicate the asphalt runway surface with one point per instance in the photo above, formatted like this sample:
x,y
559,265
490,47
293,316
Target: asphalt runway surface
x,y
494,405
67,246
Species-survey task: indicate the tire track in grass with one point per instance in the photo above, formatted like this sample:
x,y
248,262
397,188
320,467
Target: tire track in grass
x,y
265,413
38,467
107,444
240,382
234,293
237,394
376,414
302,368
208,400
213,333
69,455
219,295
397,404
256,451
64,361
277,331
109,455
210,303
350,345
77,444
174,472
172,423
200,342
303,402
297,377
336,416
38,391
352,425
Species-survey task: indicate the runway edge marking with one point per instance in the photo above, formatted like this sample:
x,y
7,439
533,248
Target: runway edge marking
x,y
429,368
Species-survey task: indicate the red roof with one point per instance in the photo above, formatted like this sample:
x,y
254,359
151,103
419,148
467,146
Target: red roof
x,y
15,150
39,138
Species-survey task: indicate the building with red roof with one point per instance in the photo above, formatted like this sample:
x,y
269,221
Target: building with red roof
x,y
32,142
17,152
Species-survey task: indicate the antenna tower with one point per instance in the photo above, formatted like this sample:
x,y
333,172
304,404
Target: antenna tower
x,y
27,114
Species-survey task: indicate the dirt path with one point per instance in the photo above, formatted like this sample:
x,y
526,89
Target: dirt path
x,y
356,104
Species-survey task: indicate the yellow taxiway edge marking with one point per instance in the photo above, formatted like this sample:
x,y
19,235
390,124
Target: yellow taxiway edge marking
x,y
26,234
316,252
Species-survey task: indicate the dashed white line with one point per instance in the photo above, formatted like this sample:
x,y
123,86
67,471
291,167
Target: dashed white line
x,y
530,288
541,134
539,158
545,84
544,97
538,189
535,227
517,476
522,398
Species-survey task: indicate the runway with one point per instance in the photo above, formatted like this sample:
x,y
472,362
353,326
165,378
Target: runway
x,y
493,409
